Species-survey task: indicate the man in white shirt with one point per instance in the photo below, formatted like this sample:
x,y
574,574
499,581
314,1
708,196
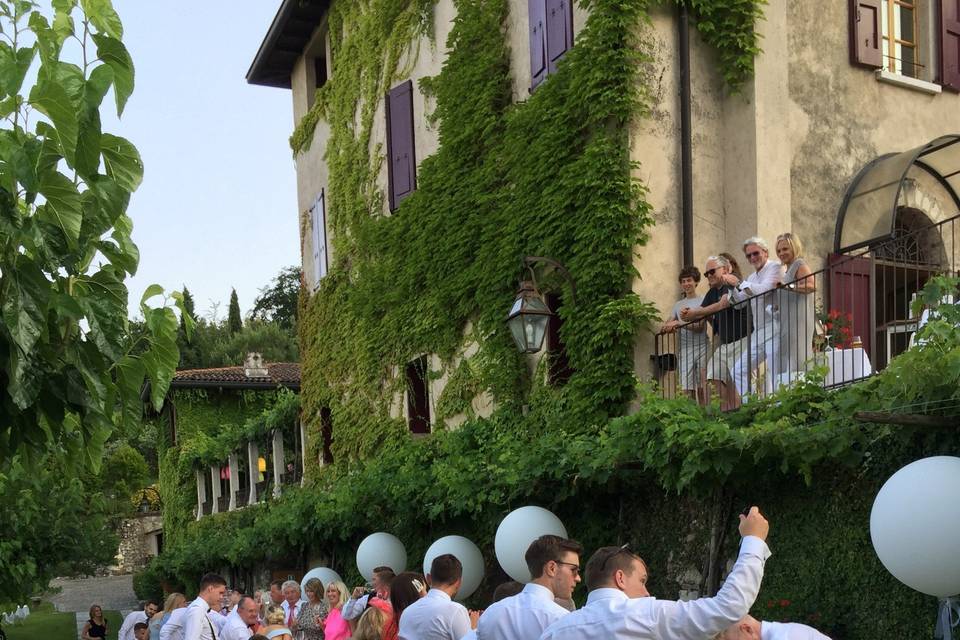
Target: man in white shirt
x,y
291,603
197,625
620,607
238,624
749,628
554,563
142,615
357,604
172,629
436,616
764,343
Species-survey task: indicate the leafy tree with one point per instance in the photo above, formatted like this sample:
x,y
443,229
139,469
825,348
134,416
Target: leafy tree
x,y
71,369
190,346
234,323
272,341
278,301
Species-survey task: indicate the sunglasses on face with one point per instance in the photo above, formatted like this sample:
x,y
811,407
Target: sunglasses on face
x,y
752,255
710,272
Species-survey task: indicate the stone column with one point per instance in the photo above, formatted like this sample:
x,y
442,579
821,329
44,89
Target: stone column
x,y
215,488
278,467
234,481
253,457
201,492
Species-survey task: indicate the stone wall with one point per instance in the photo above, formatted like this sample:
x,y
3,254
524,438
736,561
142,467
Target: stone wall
x,y
138,542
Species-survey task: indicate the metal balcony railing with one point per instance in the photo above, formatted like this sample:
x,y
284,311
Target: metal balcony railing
x,y
844,323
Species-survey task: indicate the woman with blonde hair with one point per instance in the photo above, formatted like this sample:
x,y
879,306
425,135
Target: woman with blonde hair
x,y
276,629
371,624
335,627
796,308
96,627
174,601
313,613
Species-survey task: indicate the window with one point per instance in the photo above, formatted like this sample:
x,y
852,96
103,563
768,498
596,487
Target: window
x,y
899,37
318,223
551,36
418,396
326,433
558,363
913,38
402,162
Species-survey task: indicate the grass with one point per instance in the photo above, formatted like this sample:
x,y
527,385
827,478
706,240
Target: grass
x,y
45,623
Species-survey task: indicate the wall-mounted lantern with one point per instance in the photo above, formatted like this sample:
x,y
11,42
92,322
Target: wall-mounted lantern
x,y
529,316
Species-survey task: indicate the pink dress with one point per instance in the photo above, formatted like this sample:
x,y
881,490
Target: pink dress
x,y
335,628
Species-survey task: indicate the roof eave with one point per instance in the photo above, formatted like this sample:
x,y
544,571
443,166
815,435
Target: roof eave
x,y
266,70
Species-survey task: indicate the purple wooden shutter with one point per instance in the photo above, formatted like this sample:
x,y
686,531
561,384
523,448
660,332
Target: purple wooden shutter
x,y
538,41
559,31
866,33
402,165
950,44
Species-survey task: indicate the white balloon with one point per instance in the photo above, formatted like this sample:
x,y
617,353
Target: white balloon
x,y
469,556
515,533
380,550
323,574
915,525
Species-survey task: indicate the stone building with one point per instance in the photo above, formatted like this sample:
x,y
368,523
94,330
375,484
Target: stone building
x,y
845,135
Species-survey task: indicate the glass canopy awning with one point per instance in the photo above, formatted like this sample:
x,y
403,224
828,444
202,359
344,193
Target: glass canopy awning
x,y
869,209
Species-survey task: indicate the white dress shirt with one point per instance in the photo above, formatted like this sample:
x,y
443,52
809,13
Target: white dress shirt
x,y
172,629
764,281
197,625
471,635
234,628
286,610
789,631
520,617
610,615
354,607
434,617
126,629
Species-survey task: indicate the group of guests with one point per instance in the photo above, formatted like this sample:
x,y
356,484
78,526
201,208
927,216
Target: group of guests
x,y
764,319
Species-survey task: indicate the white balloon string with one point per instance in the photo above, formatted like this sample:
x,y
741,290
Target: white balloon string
x,y
947,618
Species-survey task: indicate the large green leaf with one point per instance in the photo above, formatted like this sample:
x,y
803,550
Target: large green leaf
x,y
130,377
88,122
102,15
122,161
160,360
50,98
63,207
13,67
112,52
49,41
104,302
26,292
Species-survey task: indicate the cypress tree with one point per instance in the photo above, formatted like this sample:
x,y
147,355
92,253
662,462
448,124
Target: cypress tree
x,y
234,323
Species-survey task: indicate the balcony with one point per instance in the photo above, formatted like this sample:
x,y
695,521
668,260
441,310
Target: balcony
x,y
837,326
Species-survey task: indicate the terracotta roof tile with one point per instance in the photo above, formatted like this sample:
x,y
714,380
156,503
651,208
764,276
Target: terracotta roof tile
x,y
281,373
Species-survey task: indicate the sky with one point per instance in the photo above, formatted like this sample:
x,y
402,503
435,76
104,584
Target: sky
x,y
217,208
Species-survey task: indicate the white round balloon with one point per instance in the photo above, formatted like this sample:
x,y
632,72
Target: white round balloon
x,y
380,550
515,533
469,556
323,574
915,525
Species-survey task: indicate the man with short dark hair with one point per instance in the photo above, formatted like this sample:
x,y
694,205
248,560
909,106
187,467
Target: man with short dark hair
x,y
357,604
197,625
238,623
619,607
554,563
142,615
436,616
276,592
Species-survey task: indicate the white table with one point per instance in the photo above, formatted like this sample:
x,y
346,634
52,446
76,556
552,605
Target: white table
x,y
900,326
846,365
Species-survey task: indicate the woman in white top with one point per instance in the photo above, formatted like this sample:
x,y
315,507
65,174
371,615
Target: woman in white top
x,y
796,309
692,351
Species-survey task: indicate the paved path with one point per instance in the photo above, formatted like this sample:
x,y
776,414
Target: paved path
x,y
110,592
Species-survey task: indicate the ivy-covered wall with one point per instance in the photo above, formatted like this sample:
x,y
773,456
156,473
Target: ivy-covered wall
x,y
550,176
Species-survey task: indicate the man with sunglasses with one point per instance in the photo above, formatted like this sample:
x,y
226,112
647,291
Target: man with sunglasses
x,y
554,563
620,607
